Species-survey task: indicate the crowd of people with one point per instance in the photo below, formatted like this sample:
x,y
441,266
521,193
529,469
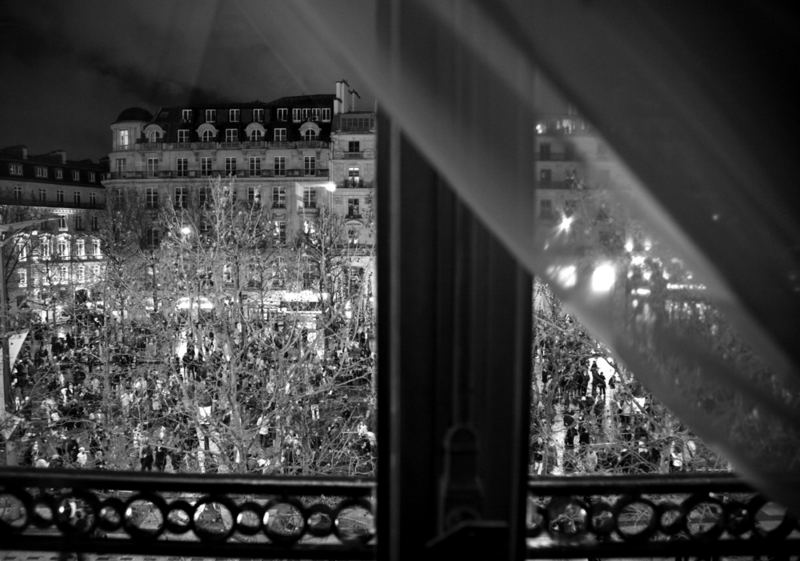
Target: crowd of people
x,y
274,409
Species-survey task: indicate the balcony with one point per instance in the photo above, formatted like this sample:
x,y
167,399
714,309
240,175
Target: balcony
x,y
249,516
351,183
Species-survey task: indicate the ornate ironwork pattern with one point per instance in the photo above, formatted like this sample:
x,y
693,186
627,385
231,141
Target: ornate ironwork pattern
x,y
198,515
670,516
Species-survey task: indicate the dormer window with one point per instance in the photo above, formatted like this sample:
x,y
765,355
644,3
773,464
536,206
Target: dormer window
x,y
310,134
186,115
258,115
309,130
15,169
315,114
41,172
208,135
282,114
59,173
233,115
296,115
326,114
257,135
231,135
211,115
183,135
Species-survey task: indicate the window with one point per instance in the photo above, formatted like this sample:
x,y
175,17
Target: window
x,y
62,222
78,222
279,197
258,115
544,151
22,248
353,175
545,176
570,206
353,208
151,198
80,248
95,223
255,166
59,173
152,238
15,169
205,166
183,167
315,114
153,135
279,135
76,175
204,196
96,248
42,195
62,248
280,231
22,278
279,166
81,274
181,197
44,248
354,146
186,117
123,139
231,135
256,135
76,197
233,115
227,275
309,197
296,114
211,115
546,209
96,272
326,113
230,166
152,167
282,114
41,172
310,134
93,199
92,177
310,165
183,135
17,192
306,113
60,196
253,195
208,136
120,165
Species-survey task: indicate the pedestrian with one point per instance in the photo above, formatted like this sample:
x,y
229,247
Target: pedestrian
x,y
598,382
146,457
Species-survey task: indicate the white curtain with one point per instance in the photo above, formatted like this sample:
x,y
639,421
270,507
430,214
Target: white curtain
x,y
687,99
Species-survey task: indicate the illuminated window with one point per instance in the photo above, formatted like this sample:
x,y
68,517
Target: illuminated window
x,y
280,231
80,248
279,135
81,274
63,274
62,248
41,172
123,139
253,195
15,169
96,248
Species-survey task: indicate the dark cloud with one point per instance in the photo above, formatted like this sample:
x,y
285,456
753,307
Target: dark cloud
x,y
70,67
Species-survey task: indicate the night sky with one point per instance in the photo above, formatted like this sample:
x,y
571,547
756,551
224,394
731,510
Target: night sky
x,y
68,68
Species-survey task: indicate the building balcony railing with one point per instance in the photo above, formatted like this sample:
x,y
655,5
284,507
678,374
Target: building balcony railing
x,y
193,173
250,516
354,184
362,155
199,515
230,145
33,201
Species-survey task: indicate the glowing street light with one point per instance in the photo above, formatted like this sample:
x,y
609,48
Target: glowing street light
x,y
603,278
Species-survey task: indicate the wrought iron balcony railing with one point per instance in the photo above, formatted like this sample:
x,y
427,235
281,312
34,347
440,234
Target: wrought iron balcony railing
x,y
193,515
316,518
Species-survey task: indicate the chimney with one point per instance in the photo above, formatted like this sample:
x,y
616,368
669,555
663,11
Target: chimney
x,y
353,96
60,154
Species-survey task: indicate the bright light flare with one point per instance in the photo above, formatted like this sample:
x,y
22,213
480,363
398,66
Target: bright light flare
x,y
566,224
330,186
603,278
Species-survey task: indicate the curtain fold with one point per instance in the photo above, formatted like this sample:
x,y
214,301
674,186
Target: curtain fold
x,y
695,103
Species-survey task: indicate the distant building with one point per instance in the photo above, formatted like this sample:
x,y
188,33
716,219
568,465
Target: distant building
x,y
291,157
52,265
